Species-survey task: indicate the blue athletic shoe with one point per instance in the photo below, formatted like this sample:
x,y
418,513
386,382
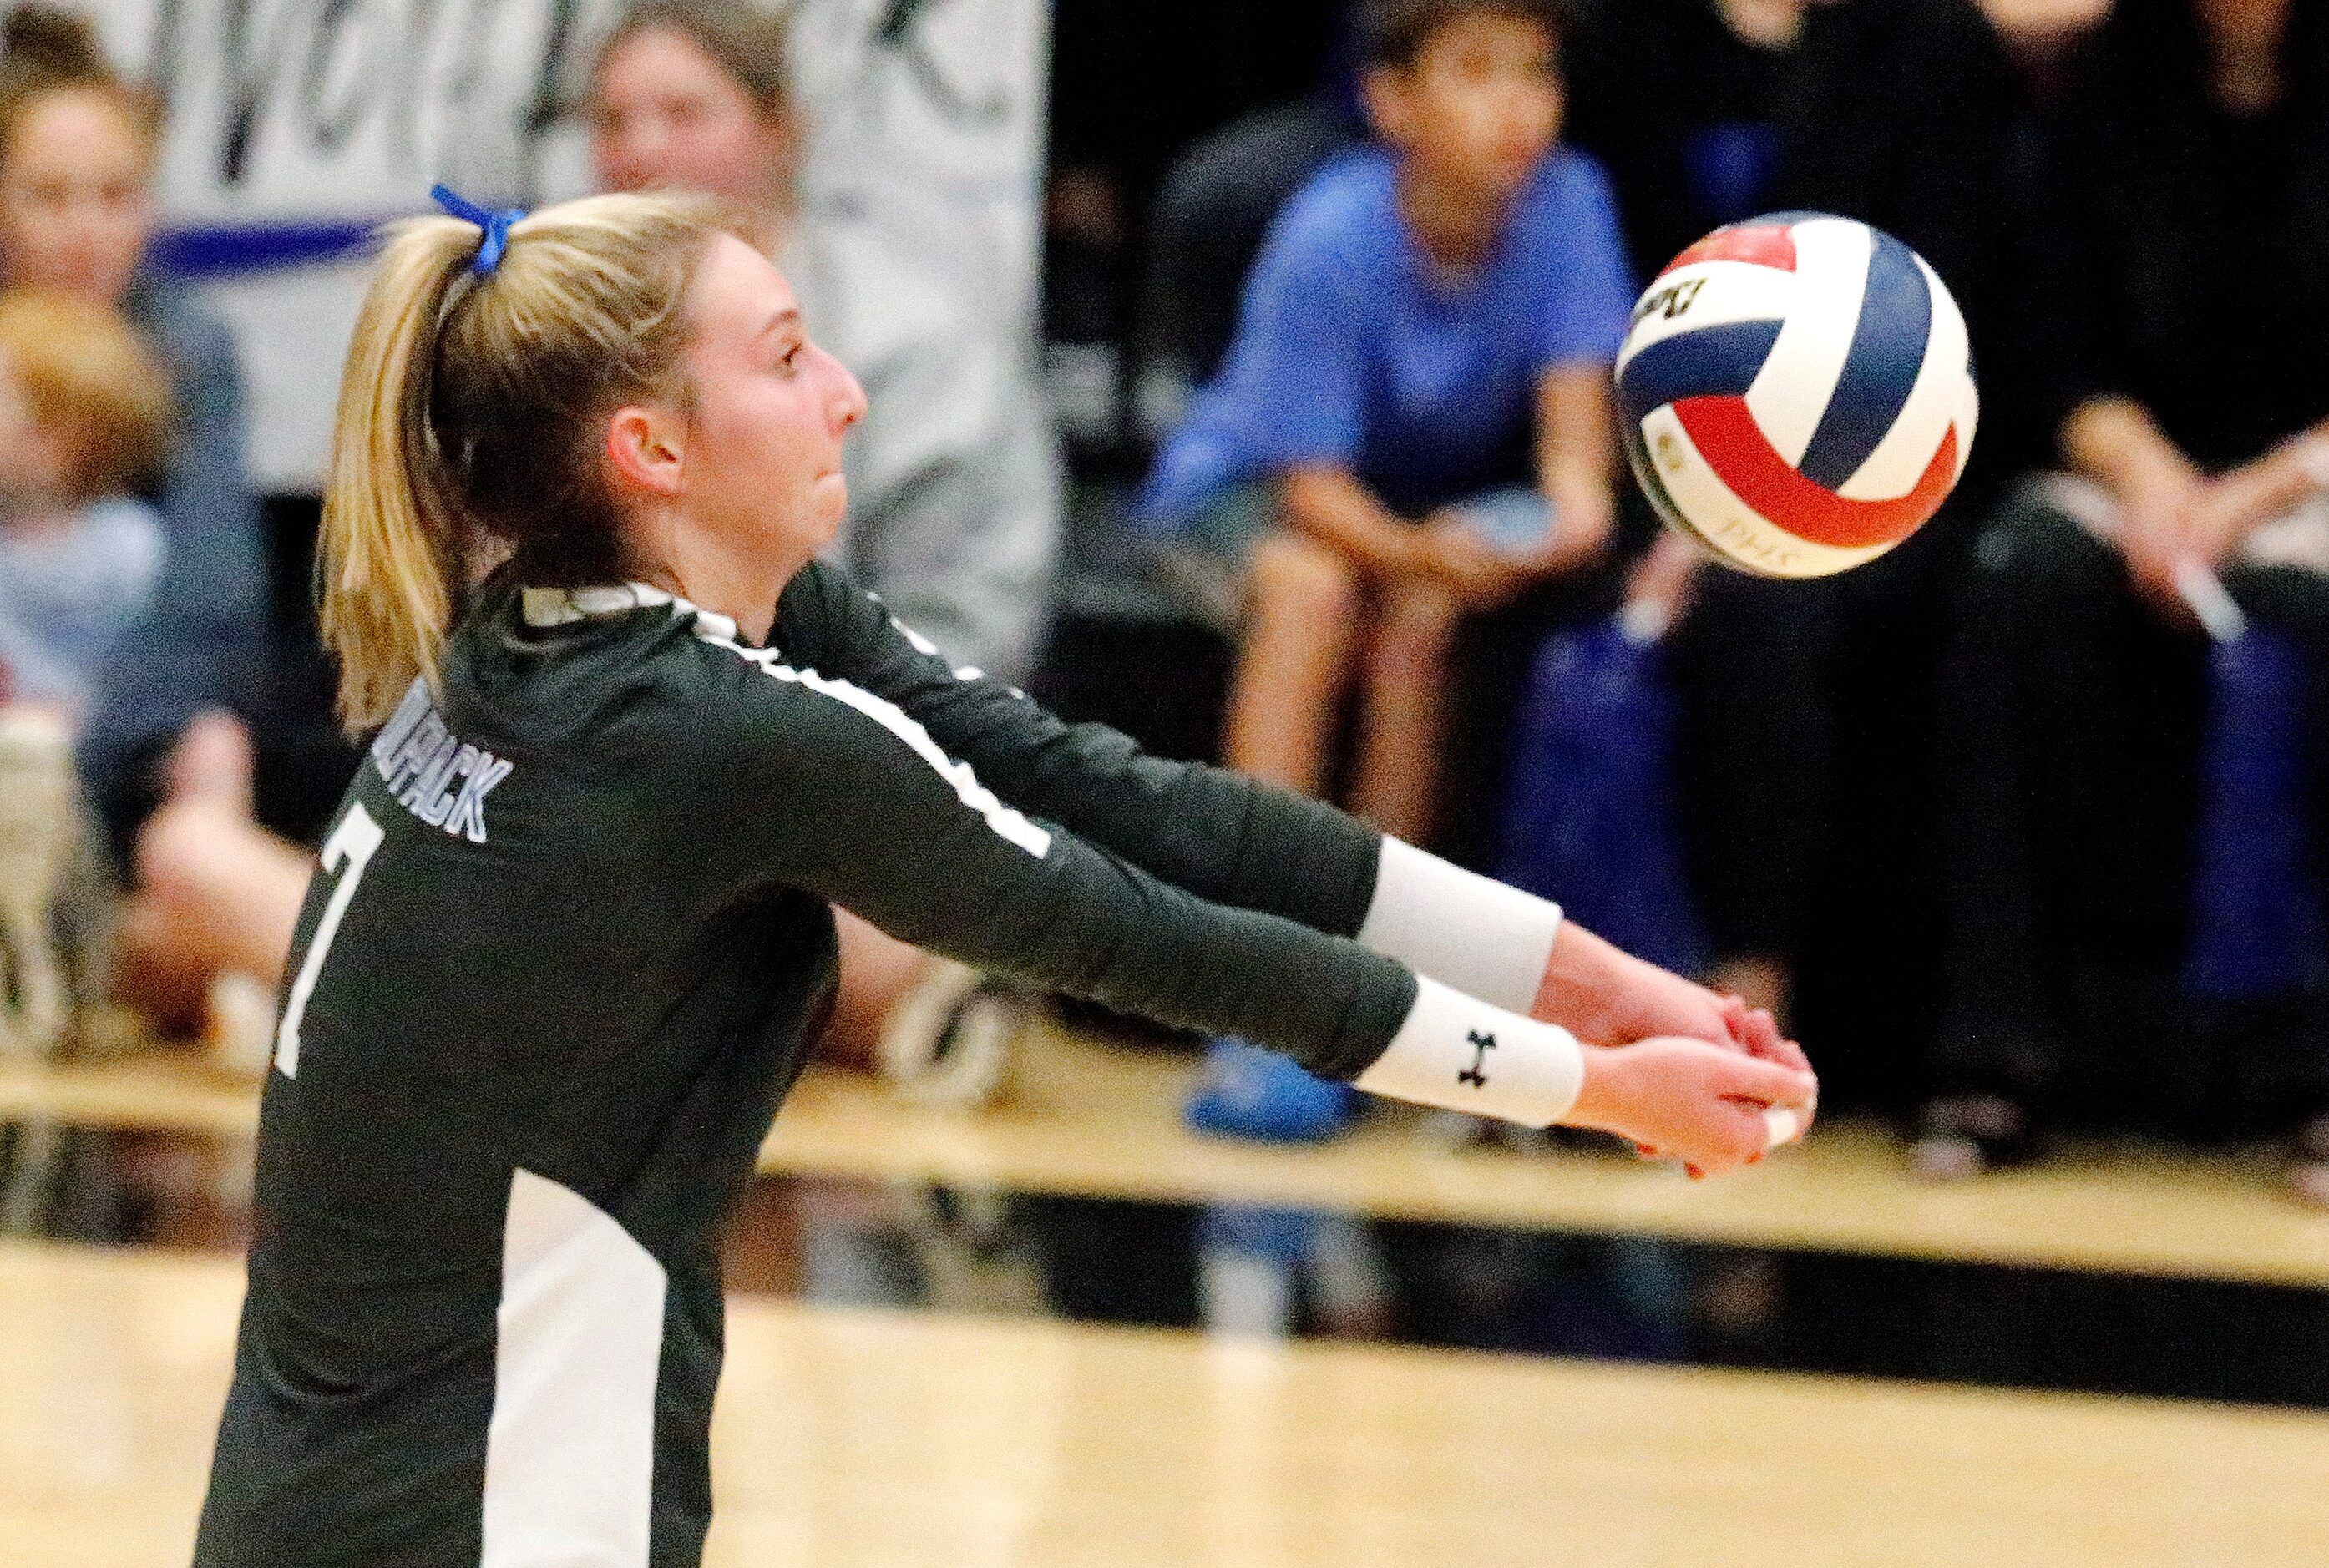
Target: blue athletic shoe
x,y
1246,1092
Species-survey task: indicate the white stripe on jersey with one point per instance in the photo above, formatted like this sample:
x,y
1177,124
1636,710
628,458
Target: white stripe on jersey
x,y
930,650
1007,823
562,607
569,1453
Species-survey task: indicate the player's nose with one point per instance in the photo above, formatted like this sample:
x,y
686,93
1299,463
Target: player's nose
x,y
846,400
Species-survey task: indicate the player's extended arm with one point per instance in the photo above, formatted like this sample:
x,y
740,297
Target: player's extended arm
x,y
831,790
1210,832
1231,841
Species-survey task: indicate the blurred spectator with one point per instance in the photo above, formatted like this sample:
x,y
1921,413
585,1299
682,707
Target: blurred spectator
x,y
2136,819
84,415
84,421
953,489
77,150
954,503
146,622
1802,712
1895,112
1414,413
1686,102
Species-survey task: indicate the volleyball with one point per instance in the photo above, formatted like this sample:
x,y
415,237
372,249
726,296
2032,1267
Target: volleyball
x,y
1796,393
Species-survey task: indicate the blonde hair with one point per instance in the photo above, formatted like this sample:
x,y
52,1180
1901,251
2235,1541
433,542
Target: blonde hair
x,y
467,419
92,386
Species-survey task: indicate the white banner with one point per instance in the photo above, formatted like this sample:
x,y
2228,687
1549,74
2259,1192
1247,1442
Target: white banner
x,y
296,124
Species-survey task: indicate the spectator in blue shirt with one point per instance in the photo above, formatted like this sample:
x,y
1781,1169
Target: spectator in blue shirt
x,y
1412,425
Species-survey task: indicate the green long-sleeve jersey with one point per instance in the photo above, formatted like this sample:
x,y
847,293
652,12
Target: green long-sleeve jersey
x,y
565,951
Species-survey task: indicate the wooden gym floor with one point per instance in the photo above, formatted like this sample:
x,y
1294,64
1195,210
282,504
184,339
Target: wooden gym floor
x,y
850,1438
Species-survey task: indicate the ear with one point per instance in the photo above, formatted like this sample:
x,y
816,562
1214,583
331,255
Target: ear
x,y
647,449
1388,91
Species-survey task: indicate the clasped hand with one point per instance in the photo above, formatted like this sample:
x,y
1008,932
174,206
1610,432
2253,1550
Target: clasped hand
x,y
1676,1068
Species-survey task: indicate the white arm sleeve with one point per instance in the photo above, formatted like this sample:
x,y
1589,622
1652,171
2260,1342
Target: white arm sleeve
x,y
1459,928
1459,1052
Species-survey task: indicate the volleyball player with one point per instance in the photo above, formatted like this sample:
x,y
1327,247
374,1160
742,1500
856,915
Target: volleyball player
x,y
572,926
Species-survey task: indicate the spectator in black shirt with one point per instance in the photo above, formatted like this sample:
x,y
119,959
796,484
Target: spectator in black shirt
x,y
2180,330
1895,112
1683,101
1804,744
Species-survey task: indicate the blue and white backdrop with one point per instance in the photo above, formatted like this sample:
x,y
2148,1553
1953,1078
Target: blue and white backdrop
x,y
296,126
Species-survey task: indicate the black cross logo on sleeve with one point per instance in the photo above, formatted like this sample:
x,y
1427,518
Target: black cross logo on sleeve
x,y
1481,1045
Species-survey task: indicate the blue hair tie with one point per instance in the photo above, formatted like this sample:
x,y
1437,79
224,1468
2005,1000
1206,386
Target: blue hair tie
x,y
496,226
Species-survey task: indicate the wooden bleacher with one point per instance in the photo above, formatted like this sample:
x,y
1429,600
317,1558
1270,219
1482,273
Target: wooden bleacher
x,y
1089,1119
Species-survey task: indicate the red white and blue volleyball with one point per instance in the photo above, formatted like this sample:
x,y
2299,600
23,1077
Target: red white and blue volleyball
x,y
1796,393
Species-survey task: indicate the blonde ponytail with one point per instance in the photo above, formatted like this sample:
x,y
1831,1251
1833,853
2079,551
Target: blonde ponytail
x,y
465,425
385,558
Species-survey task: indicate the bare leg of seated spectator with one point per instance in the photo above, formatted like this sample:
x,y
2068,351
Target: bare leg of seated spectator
x,y
1300,632
1741,658
1657,596
940,1033
2309,1162
877,970
1397,786
216,892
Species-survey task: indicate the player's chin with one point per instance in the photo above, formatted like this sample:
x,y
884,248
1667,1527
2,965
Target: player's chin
x,y
828,500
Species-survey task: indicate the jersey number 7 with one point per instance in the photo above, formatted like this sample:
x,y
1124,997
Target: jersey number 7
x,y
346,853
